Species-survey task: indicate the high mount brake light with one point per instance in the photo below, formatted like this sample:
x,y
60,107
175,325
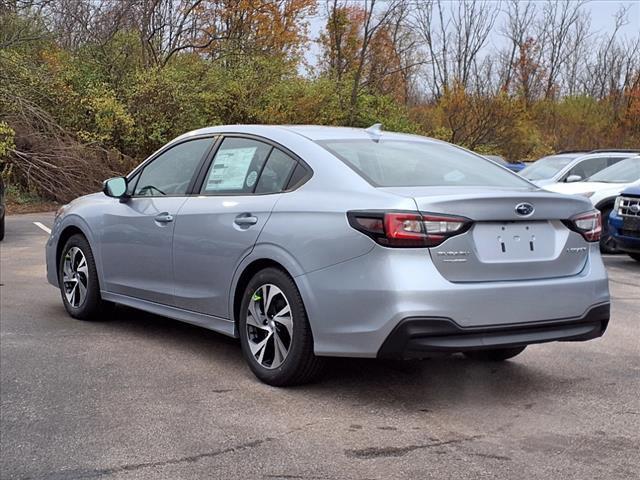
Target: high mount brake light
x,y
588,224
408,229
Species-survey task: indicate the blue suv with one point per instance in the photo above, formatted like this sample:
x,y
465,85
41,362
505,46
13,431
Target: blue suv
x,y
624,221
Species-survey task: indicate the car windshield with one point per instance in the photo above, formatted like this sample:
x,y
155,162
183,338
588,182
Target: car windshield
x,y
546,167
626,171
404,163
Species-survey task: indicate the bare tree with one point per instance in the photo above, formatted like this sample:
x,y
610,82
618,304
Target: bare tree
x,y
615,61
430,24
556,26
393,69
520,17
578,50
454,38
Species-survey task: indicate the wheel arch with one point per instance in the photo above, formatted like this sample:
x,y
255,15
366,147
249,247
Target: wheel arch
x,y
243,280
71,225
605,203
68,232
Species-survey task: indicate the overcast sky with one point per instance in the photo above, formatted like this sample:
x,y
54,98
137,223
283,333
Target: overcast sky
x,y
602,21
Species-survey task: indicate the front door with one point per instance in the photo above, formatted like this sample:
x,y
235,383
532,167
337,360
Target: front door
x,y
137,234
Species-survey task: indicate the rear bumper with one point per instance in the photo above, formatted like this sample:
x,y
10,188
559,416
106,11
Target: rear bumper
x,y
354,306
417,337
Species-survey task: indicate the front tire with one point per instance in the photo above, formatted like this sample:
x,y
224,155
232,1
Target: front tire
x,y
78,280
275,334
494,355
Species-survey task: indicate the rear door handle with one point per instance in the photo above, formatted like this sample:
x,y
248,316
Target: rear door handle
x,y
164,218
246,220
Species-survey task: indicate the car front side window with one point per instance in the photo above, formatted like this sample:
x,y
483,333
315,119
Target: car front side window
x,y
588,167
171,172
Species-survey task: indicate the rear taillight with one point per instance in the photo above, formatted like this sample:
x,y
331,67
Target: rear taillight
x,y
408,229
588,224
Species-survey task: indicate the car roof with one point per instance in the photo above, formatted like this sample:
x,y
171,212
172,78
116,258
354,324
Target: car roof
x,y
616,153
319,133
599,153
566,155
576,158
310,132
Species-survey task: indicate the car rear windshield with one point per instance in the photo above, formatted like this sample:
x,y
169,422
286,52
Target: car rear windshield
x,y
402,163
546,167
626,171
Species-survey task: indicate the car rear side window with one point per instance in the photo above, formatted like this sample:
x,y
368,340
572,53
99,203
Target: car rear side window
x,y
276,172
401,163
236,166
626,171
614,160
299,176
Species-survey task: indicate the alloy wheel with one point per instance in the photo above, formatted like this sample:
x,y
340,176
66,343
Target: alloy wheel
x,y
75,277
269,326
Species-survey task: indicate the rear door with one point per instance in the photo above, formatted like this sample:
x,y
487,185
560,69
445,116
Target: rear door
x,y
137,233
219,227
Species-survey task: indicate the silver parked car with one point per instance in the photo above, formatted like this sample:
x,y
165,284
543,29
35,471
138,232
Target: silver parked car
x,y
308,242
569,167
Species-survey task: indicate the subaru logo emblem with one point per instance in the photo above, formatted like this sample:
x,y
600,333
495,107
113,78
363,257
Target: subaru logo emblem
x,y
524,209
635,208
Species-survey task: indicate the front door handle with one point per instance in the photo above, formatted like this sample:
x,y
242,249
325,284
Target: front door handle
x,y
246,220
164,218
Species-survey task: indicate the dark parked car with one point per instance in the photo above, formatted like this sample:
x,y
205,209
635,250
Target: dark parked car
x,y
513,166
2,209
624,221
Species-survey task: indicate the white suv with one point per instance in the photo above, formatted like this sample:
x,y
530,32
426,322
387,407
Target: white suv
x,y
568,167
602,189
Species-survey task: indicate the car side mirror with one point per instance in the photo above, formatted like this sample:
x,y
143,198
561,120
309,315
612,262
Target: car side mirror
x,y
115,187
573,178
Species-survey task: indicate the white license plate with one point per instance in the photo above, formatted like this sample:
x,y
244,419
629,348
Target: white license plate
x,y
509,241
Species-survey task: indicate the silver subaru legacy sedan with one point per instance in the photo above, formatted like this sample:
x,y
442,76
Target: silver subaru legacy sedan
x,y
310,242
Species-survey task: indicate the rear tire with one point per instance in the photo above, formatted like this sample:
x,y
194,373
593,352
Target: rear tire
x,y
277,346
635,256
607,242
494,355
78,280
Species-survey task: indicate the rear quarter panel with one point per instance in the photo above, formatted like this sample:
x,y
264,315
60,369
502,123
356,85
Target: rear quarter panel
x,y
310,226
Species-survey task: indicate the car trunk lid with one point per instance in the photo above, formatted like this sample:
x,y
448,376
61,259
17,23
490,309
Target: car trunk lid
x,y
503,244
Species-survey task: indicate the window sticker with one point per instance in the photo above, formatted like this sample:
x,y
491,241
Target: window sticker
x,y
230,169
251,178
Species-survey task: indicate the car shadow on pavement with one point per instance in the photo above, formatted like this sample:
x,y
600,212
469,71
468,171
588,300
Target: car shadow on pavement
x,y
407,384
172,333
441,381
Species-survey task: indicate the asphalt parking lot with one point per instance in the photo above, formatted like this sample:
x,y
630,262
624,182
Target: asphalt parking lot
x,y
144,397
